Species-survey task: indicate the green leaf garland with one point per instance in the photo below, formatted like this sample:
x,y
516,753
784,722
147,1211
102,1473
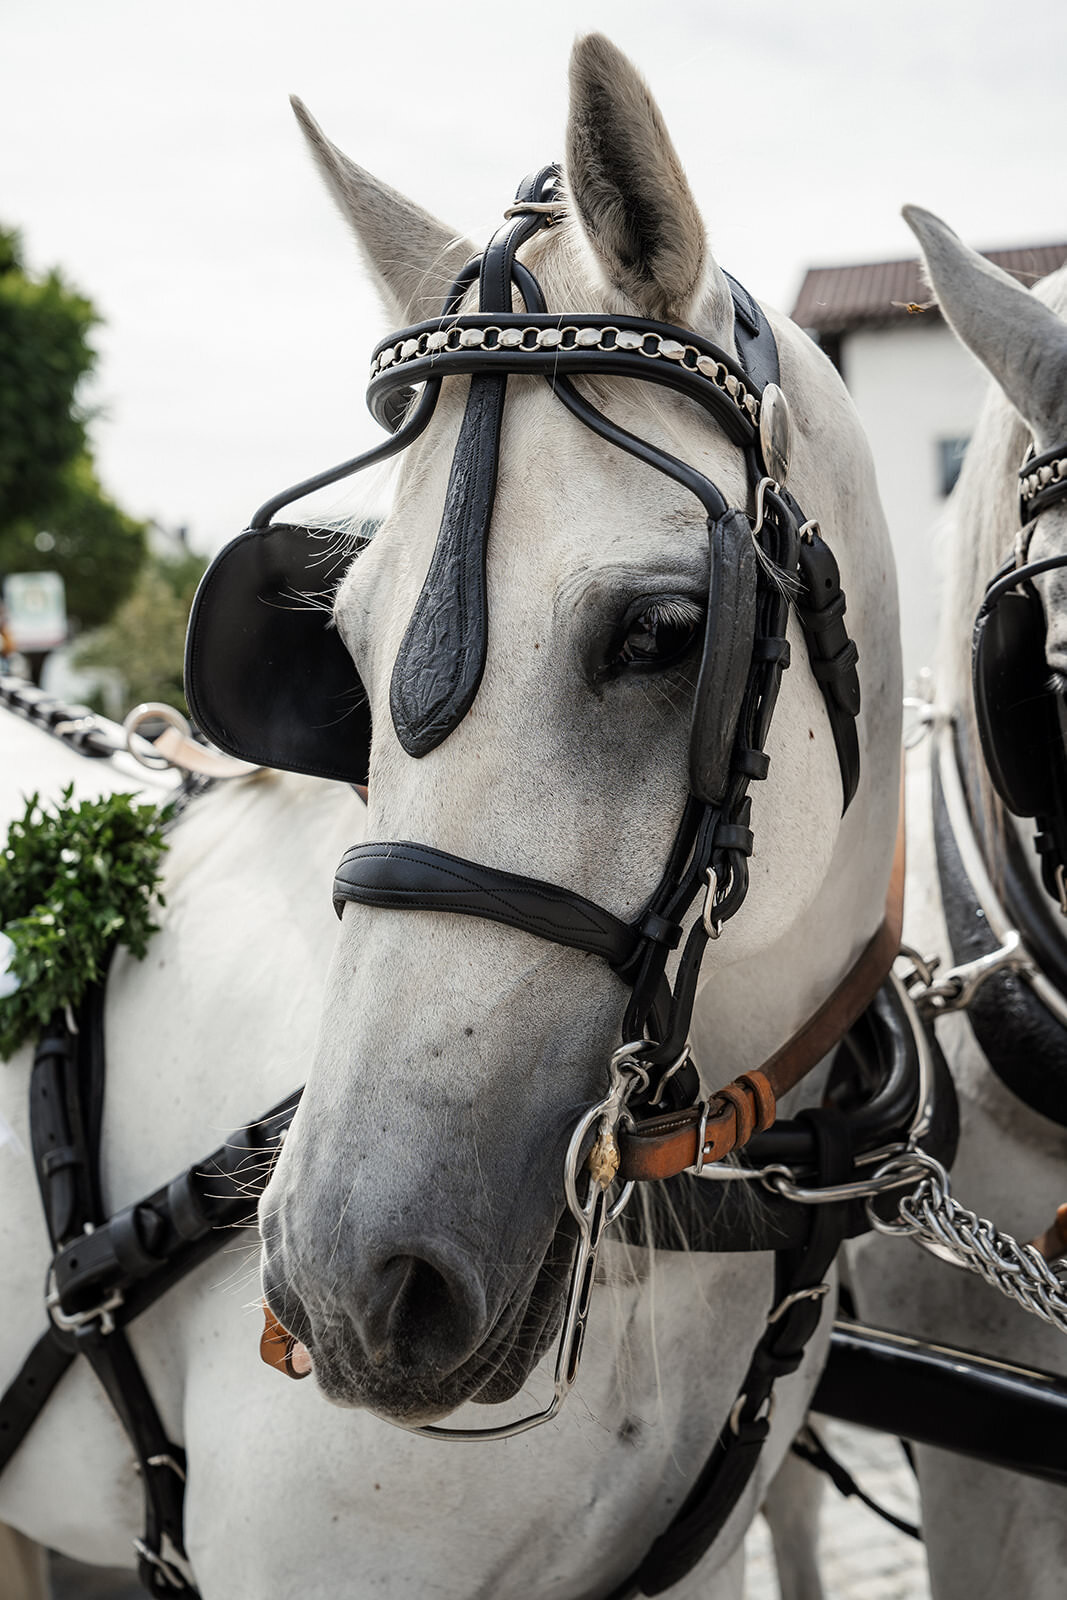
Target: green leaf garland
x,y
75,880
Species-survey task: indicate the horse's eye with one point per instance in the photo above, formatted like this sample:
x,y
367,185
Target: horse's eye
x,y
658,636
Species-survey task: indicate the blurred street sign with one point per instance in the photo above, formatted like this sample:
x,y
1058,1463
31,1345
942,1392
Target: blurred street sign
x,y
36,606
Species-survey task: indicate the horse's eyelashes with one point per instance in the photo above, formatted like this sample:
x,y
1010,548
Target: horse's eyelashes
x,y
655,635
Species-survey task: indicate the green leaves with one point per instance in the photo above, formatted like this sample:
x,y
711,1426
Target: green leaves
x,y
74,881
48,486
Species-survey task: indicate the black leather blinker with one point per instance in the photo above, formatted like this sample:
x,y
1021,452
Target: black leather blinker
x,y
1017,722
724,668
267,676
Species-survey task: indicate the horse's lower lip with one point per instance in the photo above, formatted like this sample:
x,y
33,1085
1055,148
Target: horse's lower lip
x,y
300,1359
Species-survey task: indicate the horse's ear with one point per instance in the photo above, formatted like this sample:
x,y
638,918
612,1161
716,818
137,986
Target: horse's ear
x,y
1021,341
632,199
413,257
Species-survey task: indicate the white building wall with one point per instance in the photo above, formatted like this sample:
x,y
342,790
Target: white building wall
x,y
913,385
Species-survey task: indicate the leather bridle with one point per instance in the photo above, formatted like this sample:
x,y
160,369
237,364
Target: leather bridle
x,y
745,651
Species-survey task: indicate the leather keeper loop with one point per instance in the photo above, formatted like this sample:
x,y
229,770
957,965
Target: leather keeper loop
x,y
661,930
771,650
130,1248
759,1086
744,1106
59,1159
837,666
188,1218
751,763
732,836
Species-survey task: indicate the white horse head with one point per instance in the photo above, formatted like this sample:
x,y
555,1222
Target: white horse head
x,y
1020,336
412,1226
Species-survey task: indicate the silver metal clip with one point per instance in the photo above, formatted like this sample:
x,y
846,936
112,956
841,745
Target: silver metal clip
x,y
761,495
170,1574
816,1292
711,928
739,1406
956,988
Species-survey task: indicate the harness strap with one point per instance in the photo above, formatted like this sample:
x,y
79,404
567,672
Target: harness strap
x,y
799,1290
66,1104
810,1448
660,1147
107,1270
28,1392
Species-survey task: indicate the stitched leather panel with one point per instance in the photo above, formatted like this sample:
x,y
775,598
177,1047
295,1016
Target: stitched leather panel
x,y
727,656
831,653
442,657
408,876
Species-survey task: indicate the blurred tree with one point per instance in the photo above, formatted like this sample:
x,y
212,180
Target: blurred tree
x,y
53,514
97,549
144,643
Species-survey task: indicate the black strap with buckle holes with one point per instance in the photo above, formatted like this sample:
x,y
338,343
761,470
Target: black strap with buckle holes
x,y
799,1291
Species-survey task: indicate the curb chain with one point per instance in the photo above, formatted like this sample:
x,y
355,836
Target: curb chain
x,y
934,1219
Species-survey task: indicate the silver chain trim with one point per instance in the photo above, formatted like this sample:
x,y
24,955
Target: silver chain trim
x,y
1034,482
568,337
933,1218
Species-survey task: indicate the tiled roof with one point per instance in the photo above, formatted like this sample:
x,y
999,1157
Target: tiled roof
x,y
833,299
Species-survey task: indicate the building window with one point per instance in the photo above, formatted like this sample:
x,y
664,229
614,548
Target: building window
x,y
950,454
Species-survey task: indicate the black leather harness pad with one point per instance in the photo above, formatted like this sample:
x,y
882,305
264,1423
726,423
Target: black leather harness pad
x,y
267,676
724,668
1017,720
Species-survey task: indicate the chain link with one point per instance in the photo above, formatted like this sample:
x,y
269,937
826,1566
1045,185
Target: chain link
x,y
933,1218
607,339
1032,484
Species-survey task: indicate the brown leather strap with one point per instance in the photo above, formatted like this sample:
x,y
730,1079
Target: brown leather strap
x,y
661,1147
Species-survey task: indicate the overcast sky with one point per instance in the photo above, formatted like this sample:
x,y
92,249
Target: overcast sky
x,y
151,153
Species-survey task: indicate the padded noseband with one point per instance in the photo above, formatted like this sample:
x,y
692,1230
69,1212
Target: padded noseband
x,y
269,679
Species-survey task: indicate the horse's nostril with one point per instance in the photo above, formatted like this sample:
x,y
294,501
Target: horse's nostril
x,y
426,1315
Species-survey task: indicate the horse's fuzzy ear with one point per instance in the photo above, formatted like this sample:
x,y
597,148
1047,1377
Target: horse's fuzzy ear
x,y
413,257
1018,338
632,198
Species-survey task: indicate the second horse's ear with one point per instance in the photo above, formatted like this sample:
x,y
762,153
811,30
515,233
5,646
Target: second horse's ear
x,y
1017,338
412,256
632,199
